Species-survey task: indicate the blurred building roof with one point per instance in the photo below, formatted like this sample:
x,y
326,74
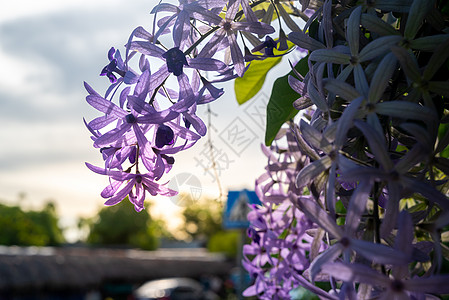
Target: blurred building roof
x,y
81,268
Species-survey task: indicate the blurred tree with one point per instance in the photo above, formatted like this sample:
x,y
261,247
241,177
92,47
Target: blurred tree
x,y
202,218
226,242
203,222
29,228
122,225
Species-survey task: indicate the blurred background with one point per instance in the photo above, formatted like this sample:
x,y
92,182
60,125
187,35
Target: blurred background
x,y
48,198
47,49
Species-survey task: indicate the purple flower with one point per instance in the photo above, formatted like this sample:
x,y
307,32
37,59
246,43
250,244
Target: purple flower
x,y
226,35
127,121
392,288
268,46
281,245
396,176
278,6
180,18
175,60
128,141
115,65
347,243
136,186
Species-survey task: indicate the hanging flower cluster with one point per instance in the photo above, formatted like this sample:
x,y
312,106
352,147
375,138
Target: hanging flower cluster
x,y
144,120
355,188
284,240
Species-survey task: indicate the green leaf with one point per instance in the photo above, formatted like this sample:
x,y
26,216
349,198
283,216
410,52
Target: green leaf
x,y
280,106
443,140
247,86
252,81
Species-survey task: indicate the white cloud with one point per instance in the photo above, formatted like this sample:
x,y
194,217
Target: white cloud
x,y
12,10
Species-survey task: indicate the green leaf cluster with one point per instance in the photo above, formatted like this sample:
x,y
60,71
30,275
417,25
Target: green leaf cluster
x,y
201,219
29,228
121,225
224,242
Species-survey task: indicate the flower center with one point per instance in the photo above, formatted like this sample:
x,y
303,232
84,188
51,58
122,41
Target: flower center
x,y
227,26
370,107
130,119
394,175
397,286
333,155
164,136
345,242
139,179
175,60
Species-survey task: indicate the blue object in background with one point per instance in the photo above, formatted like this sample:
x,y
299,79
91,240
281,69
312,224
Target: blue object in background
x,y
237,208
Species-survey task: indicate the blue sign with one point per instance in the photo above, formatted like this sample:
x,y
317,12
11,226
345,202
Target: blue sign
x,y
237,208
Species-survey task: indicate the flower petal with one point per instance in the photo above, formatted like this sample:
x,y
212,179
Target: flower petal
x,y
379,253
121,194
357,206
355,273
353,30
105,106
311,171
206,64
435,284
329,56
324,258
315,213
112,136
305,41
378,47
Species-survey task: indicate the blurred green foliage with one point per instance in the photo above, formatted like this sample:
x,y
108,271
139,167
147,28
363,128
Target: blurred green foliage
x,y
202,221
29,228
226,242
121,225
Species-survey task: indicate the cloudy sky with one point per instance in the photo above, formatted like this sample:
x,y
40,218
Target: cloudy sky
x,y
47,49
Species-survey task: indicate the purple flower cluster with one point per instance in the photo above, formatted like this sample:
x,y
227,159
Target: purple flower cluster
x,y
284,240
355,191
358,196
145,120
